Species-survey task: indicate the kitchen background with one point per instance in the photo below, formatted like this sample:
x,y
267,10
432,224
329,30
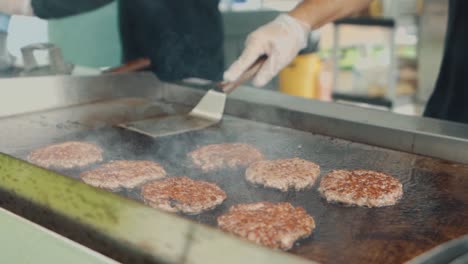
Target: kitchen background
x,y
387,56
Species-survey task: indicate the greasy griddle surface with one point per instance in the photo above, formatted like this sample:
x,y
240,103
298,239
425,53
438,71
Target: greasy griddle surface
x,y
433,210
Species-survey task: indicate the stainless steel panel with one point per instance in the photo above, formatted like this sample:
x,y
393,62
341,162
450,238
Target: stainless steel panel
x,y
348,122
24,95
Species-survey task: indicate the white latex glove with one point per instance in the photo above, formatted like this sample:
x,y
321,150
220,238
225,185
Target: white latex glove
x,y
16,7
281,40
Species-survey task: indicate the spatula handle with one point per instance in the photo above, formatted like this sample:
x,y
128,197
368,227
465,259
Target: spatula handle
x,y
248,75
131,66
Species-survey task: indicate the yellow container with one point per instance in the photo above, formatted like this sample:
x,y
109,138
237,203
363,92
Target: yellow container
x,y
420,5
376,8
301,77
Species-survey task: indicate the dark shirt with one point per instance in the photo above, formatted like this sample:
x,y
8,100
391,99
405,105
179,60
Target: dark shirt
x,y
182,38
449,100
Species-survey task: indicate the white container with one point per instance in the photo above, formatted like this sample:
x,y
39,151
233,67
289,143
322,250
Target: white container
x,y
399,8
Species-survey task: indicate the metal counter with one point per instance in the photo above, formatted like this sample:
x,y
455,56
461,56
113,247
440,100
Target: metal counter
x,y
39,245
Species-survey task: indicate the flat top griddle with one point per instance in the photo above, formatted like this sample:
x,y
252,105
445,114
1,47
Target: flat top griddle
x,y
433,210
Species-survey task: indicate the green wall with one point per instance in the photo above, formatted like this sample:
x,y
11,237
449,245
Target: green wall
x,y
90,39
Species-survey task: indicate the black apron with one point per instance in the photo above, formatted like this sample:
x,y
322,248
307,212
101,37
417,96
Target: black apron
x,y
182,38
449,100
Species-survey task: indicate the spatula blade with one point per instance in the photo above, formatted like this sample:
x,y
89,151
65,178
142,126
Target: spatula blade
x,y
168,126
211,106
208,112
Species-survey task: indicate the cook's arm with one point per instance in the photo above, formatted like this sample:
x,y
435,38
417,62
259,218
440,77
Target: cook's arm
x,y
283,38
16,7
50,8
62,8
317,13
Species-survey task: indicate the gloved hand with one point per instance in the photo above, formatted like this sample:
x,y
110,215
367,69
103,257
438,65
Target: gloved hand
x,y
281,40
6,59
16,7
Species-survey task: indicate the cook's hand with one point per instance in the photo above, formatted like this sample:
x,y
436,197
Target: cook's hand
x,y
16,7
281,40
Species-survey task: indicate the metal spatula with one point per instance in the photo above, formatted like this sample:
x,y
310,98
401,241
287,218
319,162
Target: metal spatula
x,y
209,111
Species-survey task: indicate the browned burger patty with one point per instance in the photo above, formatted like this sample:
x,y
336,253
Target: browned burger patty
x,y
283,174
120,174
67,155
272,225
182,194
228,155
361,187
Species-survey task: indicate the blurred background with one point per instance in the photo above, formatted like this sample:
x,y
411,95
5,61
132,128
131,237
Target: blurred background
x,y
386,57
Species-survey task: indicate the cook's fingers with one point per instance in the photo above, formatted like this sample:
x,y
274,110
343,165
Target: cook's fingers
x,y
251,53
267,72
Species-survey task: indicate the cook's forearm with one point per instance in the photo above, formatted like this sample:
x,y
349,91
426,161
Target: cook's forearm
x,y
62,8
316,13
50,8
16,7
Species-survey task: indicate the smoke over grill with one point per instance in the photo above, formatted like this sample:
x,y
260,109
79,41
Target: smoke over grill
x,y
422,219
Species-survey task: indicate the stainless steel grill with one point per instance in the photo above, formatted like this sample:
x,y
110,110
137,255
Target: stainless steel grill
x,y
432,211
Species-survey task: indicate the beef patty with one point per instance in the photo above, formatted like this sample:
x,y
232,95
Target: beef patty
x,y
283,174
228,155
182,194
273,225
67,155
116,175
361,187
